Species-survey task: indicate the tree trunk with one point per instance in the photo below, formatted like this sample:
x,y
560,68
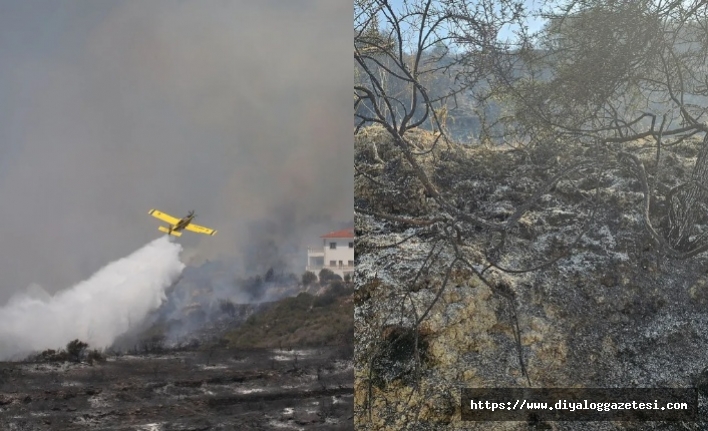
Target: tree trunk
x,y
686,206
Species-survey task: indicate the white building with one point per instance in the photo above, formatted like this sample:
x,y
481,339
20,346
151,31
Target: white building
x,y
336,254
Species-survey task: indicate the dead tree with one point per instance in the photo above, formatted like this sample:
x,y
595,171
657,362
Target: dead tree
x,y
603,75
407,78
613,85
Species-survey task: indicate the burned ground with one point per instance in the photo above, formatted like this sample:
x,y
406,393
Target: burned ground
x,y
281,365
182,390
611,311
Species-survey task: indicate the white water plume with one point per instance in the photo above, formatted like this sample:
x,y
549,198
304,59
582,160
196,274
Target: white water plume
x,y
96,310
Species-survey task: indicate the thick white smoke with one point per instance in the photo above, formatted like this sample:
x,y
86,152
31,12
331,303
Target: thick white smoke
x,y
96,310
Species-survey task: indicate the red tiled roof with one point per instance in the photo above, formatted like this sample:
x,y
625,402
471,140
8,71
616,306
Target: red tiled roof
x,y
344,233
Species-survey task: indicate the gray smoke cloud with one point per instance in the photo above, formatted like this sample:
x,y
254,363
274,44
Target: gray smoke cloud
x,y
239,110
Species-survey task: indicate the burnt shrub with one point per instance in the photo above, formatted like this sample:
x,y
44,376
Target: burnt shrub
x,y
228,307
94,356
253,286
269,276
398,350
75,349
51,355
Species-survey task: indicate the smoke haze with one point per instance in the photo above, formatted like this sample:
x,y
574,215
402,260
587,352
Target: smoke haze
x,y
96,310
239,110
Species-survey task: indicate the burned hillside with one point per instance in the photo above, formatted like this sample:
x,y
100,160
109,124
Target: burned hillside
x,y
207,299
563,244
575,293
210,305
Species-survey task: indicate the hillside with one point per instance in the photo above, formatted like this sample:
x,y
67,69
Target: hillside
x,y
576,294
301,321
320,315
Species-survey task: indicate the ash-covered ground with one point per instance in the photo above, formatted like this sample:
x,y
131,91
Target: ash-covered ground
x,y
611,312
265,389
202,361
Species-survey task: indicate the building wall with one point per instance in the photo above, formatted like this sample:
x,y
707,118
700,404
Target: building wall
x,y
315,261
342,252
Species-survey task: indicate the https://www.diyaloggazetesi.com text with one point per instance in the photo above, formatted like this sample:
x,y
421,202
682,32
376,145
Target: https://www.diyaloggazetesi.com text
x,y
573,404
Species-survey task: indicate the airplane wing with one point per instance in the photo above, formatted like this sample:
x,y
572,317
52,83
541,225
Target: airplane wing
x,y
164,217
200,229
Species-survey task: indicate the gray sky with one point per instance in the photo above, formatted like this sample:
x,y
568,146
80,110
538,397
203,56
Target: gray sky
x,y
240,110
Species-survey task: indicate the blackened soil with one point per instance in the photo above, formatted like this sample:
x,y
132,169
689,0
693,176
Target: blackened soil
x,y
182,390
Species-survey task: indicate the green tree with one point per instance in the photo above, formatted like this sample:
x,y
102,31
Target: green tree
x,y
308,277
327,275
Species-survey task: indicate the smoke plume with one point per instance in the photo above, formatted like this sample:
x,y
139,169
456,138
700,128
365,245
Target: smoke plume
x,y
109,109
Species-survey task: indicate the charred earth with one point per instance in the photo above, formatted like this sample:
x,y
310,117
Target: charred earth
x,y
575,293
285,363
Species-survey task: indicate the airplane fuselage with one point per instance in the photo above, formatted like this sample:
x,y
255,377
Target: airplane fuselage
x,y
182,223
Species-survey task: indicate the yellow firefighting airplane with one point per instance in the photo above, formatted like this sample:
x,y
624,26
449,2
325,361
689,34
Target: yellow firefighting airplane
x,y
177,225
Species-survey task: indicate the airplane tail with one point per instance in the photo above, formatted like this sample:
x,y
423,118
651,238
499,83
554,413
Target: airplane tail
x,y
167,231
